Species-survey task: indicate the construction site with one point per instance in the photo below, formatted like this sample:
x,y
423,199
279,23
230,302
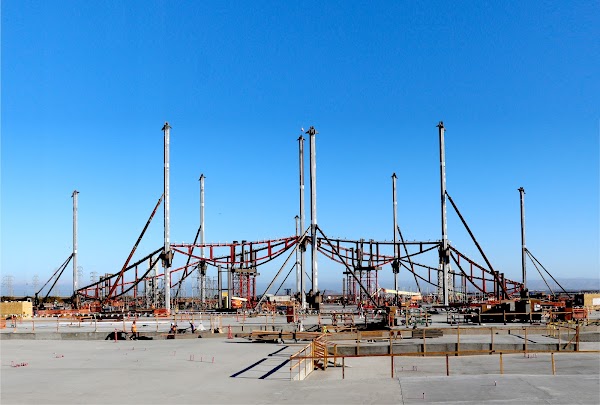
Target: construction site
x,y
479,334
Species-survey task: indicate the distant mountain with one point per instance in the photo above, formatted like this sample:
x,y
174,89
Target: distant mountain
x,y
569,284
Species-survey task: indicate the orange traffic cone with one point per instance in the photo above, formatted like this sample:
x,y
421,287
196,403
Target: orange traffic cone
x,y
229,334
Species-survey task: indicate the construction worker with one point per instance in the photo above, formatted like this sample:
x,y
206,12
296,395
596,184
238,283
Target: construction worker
x,y
134,331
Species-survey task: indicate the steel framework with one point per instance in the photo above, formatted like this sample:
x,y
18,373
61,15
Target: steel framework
x,y
362,259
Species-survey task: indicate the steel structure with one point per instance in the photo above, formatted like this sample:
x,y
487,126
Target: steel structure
x,y
523,248
237,263
166,254
74,254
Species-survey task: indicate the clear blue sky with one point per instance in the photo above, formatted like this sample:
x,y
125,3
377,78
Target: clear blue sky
x,y
87,86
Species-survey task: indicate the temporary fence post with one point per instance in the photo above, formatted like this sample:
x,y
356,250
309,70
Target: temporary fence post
x,y
577,338
501,364
525,340
447,365
391,355
343,367
335,355
458,340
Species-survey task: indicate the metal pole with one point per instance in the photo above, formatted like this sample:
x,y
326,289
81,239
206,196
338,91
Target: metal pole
x,y
154,293
302,248
298,269
219,287
167,248
313,208
523,248
396,264
202,268
75,278
230,283
444,253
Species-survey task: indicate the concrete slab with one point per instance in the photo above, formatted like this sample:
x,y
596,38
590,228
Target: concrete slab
x,y
183,372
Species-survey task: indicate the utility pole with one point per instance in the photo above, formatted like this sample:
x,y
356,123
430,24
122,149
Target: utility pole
x,y
313,208
523,248
444,251
75,275
166,259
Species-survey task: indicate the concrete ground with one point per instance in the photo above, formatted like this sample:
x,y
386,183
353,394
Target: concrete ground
x,y
187,371
238,323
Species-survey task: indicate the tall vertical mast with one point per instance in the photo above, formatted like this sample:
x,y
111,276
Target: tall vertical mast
x,y
303,246
167,248
75,277
396,265
313,208
298,269
202,268
444,253
523,248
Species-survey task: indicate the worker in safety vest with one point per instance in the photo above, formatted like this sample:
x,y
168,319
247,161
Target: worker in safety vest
x,y
134,331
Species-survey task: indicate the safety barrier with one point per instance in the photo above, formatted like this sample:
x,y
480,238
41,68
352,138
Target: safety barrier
x,y
444,357
304,361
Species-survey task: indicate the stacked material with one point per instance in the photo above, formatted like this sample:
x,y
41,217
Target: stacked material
x,y
20,309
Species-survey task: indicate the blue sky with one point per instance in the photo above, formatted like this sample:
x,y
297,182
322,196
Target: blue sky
x,y
87,86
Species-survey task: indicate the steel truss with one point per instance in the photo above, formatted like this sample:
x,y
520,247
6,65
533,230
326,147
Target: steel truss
x,y
363,261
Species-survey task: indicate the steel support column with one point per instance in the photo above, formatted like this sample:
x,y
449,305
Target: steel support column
x,y
444,253
313,208
523,248
75,277
202,266
302,247
395,264
167,246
